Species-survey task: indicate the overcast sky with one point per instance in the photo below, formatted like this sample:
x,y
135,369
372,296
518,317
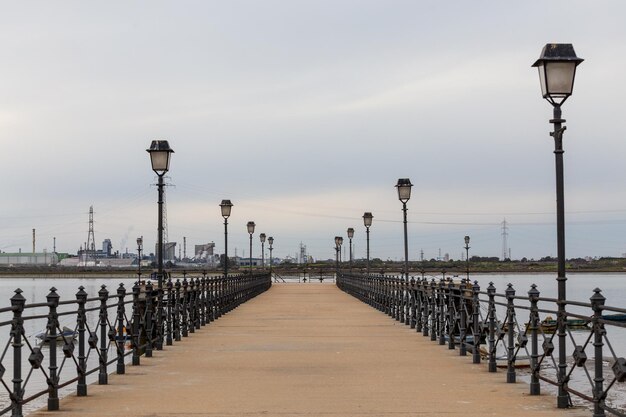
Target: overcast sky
x,y
305,114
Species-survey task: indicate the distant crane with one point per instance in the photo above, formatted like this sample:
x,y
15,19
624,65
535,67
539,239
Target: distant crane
x,y
505,244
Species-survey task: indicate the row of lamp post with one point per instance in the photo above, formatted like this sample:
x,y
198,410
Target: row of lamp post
x,y
557,70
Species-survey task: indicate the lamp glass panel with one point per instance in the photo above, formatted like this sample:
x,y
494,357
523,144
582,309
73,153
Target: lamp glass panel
x,y
560,78
226,210
160,160
404,192
542,79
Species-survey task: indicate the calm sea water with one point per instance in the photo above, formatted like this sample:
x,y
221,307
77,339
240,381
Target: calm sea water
x,y
579,287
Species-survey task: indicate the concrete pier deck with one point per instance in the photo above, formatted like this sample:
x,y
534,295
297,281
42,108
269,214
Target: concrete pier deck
x,y
308,350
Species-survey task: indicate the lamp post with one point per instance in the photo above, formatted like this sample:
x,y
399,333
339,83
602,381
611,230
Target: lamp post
x,y
350,236
262,237
404,194
251,226
367,222
467,265
160,155
270,240
139,248
226,206
338,239
557,70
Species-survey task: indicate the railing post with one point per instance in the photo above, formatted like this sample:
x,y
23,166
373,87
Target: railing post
x,y
177,310
510,372
476,323
170,313
198,304
103,296
121,294
183,319
426,307
191,305
462,318
451,315
136,324
597,303
17,330
442,314
203,299
533,297
148,321
433,310
413,303
81,387
418,306
491,293
53,323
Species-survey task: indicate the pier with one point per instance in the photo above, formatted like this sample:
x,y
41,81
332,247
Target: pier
x,y
308,350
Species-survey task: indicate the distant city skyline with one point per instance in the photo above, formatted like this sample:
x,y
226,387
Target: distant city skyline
x,y
305,114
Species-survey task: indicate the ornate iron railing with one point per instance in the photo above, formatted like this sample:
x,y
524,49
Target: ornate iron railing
x,y
461,314
125,322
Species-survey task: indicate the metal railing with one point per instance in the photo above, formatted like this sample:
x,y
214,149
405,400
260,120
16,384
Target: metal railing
x,y
123,321
459,314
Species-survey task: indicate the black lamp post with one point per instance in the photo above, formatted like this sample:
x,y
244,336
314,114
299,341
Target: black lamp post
x,y
367,222
350,236
338,240
404,194
270,240
160,154
139,248
557,69
251,226
262,237
226,206
467,240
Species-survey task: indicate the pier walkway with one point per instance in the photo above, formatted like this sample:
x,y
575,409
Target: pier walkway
x,y
308,350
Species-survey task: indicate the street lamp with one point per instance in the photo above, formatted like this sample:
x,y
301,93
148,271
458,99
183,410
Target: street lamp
x,y
262,237
226,206
270,240
251,226
367,222
467,240
337,249
404,194
557,69
160,155
139,248
350,236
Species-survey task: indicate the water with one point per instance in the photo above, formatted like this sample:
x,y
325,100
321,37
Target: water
x,y
579,288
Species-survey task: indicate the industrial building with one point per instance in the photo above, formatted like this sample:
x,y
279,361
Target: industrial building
x,y
23,259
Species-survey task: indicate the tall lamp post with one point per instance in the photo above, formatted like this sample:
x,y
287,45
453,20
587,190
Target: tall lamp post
x,y
557,69
350,236
226,206
251,226
404,194
139,249
270,240
337,249
160,155
367,222
262,237
467,265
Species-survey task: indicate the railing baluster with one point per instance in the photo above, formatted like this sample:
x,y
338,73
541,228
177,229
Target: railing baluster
x,y
510,313
81,297
120,336
597,302
17,330
53,323
476,323
491,293
533,297
103,375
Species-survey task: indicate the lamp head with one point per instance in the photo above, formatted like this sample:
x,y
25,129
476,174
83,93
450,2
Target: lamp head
x,y
160,152
557,69
404,189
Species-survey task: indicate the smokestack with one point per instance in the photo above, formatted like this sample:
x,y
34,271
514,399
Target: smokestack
x,y
184,247
33,241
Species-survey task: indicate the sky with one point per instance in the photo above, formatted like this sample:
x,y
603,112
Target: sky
x,y
304,114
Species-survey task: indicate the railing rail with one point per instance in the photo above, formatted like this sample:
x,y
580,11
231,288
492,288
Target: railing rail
x,y
453,310
123,319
